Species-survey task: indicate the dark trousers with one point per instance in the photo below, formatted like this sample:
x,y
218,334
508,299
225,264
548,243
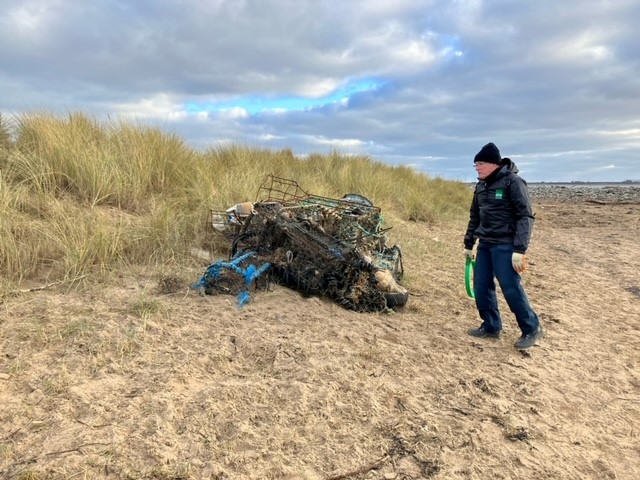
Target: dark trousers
x,y
494,261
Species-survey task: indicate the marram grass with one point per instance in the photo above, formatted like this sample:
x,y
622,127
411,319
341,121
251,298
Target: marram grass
x,y
79,196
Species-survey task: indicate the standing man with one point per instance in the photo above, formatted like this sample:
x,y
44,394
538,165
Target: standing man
x,y
502,220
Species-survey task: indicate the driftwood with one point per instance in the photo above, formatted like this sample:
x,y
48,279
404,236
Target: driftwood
x,y
46,285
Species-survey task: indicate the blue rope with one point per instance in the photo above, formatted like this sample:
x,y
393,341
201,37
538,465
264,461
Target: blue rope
x,y
250,274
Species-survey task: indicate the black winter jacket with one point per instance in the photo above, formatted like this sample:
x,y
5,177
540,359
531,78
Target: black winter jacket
x,y
501,210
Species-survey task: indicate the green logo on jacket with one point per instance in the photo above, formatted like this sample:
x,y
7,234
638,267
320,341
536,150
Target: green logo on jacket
x,y
499,193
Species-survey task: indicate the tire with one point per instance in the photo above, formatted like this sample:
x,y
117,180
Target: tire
x,y
359,199
396,299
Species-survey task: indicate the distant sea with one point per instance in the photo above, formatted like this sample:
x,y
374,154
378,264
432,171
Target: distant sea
x,y
579,184
584,184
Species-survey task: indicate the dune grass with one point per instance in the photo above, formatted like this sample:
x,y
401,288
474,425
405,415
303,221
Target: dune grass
x,y
79,196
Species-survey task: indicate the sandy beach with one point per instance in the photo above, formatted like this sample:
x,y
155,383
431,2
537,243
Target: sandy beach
x,y
131,381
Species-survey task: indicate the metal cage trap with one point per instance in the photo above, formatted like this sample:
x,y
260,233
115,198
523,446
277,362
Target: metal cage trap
x,y
318,245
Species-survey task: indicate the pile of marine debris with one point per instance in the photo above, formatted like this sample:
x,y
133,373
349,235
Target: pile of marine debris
x,y
335,248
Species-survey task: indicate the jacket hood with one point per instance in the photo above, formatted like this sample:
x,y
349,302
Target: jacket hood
x,y
508,163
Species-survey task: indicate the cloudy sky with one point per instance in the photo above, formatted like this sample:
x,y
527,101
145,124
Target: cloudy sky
x,y
555,84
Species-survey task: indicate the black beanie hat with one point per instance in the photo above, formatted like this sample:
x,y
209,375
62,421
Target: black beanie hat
x,y
489,153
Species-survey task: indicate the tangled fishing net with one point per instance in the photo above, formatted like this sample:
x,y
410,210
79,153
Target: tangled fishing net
x,y
335,248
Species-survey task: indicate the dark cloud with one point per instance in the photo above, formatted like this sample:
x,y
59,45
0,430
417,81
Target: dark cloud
x,y
556,85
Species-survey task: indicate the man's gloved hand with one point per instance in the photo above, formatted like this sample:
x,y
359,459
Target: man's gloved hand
x,y
519,262
468,254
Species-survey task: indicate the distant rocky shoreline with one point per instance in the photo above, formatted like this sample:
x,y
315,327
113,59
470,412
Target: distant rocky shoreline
x,y
593,194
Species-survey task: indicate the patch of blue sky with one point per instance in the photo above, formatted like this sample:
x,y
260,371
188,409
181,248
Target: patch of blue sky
x,y
254,104
450,48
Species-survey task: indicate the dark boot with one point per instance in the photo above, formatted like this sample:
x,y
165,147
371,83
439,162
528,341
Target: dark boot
x,y
529,340
482,333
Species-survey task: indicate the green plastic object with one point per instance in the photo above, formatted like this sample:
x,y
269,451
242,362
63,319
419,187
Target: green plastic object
x,y
468,277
